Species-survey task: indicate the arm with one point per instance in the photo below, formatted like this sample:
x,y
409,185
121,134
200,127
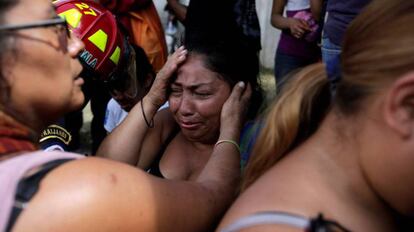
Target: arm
x,y
297,27
276,19
179,9
316,9
124,143
101,195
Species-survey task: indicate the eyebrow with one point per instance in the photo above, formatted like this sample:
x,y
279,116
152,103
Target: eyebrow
x,y
194,86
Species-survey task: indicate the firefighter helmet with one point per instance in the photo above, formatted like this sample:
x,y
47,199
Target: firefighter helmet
x,y
97,27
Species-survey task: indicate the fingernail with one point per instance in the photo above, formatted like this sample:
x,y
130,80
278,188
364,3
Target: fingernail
x,y
241,84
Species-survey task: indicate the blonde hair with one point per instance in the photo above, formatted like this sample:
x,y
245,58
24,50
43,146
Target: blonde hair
x,y
378,48
287,123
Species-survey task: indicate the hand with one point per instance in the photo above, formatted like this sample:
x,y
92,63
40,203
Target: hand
x,y
298,27
158,91
235,108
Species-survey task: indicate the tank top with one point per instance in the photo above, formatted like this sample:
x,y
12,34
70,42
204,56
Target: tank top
x,y
316,224
13,170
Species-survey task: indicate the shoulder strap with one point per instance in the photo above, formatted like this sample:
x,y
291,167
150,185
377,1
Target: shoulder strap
x,y
316,224
28,187
263,218
14,169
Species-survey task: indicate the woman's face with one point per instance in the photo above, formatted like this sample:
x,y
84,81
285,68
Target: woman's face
x,y
196,99
43,73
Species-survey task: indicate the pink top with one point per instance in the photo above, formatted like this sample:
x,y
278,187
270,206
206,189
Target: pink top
x,y
13,170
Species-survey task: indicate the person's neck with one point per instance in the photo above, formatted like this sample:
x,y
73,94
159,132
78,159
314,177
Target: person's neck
x,y
335,149
202,144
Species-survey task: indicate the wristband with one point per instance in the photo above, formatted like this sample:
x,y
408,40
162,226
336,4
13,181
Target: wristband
x,y
150,124
228,141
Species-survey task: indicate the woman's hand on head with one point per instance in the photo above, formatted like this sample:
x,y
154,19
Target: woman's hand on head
x,y
235,108
158,91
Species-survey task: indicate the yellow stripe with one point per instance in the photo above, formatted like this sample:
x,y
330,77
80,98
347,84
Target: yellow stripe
x,y
99,38
115,56
72,16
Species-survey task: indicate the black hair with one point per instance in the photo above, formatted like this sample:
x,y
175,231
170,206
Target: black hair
x,y
226,50
143,66
233,62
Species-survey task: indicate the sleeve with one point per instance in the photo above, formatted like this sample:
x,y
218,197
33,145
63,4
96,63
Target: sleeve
x,y
109,122
55,138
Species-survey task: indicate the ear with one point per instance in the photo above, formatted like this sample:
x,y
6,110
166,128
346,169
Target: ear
x,y
399,106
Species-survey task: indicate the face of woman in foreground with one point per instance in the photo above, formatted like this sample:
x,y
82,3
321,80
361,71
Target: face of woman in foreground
x,y
196,99
43,73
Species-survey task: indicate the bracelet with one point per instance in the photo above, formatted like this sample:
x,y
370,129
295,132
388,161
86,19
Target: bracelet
x,y
151,123
228,141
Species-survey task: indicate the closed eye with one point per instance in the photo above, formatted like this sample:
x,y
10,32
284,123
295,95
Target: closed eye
x,y
175,91
202,94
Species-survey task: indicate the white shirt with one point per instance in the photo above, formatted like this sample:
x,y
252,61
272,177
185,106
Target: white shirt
x,y
115,115
297,5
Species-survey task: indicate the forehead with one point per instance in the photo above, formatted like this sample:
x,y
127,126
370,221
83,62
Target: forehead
x,y
28,10
194,72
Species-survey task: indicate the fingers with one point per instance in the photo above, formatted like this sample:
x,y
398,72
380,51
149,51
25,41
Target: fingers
x,y
247,93
303,24
237,91
158,91
241,92
173,62
299,28
300,31
181,52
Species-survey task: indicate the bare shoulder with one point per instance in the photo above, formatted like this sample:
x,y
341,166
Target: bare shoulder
x,y
91,194
268,193
253,200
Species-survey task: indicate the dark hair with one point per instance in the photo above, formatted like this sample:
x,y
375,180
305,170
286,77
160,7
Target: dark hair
x,y
5,47
234,62
144,70
213,32
143,66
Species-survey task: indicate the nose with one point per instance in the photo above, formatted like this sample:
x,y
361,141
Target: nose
x,y
186,105
75,46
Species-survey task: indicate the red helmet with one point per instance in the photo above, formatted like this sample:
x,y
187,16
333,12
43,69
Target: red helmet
x,y
97,28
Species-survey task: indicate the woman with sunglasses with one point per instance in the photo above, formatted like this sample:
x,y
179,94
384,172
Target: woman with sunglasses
x,y
57,191
347,155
